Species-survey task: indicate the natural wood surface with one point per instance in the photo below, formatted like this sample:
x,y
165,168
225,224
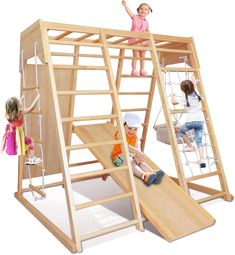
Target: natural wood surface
x,y
173,212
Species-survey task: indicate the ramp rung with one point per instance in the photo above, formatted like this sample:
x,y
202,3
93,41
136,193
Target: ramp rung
x,y
108,230
212,197
96,173
87,118
178,69
80,67
92,145
84,92
131,76
201,176
104,200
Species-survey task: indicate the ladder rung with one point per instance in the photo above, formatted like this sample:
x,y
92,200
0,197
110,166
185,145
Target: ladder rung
x,y
178,111
125,46
83,163
131,76
62,54
64,42
73,67
212,197
133,93
104,200
135,110
173,50
201,176
58,37
30,88
96,173
92,145
84,92
38,190
178,69
108,230
87,118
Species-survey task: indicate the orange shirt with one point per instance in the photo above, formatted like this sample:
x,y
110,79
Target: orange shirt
x,y
117,150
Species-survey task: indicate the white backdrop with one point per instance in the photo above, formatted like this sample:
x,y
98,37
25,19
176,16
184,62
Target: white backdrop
x,y
211,23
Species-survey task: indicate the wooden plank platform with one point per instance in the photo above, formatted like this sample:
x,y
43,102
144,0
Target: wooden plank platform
x,y
171,211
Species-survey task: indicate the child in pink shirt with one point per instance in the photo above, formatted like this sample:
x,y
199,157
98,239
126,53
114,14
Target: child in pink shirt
x,y
139,24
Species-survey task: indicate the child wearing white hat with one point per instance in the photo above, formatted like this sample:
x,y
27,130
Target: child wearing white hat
x,y
142,170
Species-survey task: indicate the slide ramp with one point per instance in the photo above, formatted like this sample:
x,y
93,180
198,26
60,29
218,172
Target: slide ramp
x,y
169,209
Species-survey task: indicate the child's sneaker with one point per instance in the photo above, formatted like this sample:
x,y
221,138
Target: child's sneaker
x,y
149,178
134,73
118,161
143,72
159,175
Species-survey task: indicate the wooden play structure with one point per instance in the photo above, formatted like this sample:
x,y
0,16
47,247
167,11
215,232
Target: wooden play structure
x,y
168,206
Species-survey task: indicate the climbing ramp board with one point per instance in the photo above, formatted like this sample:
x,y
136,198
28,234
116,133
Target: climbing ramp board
x,y
169,209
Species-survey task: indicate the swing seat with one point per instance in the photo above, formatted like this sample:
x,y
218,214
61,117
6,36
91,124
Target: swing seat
x,y
162,134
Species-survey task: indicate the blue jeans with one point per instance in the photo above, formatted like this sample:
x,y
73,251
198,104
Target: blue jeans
x,y
198,129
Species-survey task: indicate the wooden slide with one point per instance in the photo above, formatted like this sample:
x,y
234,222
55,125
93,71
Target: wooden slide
x,y
170,210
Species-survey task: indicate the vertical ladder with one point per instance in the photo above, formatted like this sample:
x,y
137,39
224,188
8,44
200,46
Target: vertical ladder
x,y
26,89
184,182
120,75
65,149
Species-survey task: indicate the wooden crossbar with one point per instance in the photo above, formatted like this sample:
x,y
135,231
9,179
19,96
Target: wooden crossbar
x,y
133,93
38,190
178,69
92,145
173,50
84,92
58,37
83,37
80,67
139,77
87,118
135,110
97,173
103,200
212,197
201,176
64,42
109,230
